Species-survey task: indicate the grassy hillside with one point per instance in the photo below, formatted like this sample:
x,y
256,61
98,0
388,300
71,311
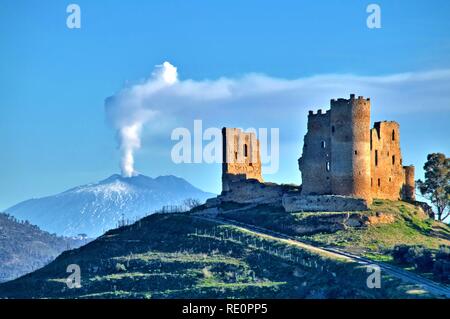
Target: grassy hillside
x,y
384,225
372,234
410,227
24,247
181,256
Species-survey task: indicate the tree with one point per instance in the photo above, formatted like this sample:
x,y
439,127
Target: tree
x,y
436,187
191,203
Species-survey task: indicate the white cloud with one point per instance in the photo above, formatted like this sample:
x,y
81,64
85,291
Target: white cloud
x,y
164,102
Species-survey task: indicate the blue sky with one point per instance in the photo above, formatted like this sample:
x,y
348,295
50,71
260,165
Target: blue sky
x,y
54,80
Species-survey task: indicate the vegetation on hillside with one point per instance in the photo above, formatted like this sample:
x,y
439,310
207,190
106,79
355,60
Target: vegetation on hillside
x,y
410,227
24,247
183,256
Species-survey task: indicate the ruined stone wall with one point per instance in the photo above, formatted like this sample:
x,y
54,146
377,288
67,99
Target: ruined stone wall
x,y
342,155
409,185
315,161
241,156
387,174
294,202
251,191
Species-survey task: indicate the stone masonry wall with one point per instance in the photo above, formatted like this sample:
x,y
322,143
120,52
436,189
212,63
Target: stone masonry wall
x,y
342,155
387,176
241,155
293,202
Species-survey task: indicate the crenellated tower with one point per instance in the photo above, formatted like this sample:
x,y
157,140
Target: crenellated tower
x,y
350,147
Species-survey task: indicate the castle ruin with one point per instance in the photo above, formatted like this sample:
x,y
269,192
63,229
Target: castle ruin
x,y
241,156
342,155
344,164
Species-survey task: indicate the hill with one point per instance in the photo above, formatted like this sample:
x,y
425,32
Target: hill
x,y
25,247
94,208
183,255
376,231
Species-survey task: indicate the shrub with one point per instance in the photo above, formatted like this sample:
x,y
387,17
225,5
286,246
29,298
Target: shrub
x,y
421,258
441,269
399,254
443,253
418,256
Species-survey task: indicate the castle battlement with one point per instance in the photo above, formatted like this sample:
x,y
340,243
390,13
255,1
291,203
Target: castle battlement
x,y
343,155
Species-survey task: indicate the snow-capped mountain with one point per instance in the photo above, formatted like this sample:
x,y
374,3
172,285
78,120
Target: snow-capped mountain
x,y
94,208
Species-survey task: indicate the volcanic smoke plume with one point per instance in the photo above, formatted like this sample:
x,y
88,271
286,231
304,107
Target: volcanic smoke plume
x,y
127,112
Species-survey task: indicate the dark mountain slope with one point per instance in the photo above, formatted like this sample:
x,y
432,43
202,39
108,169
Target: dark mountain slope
x,y
24,247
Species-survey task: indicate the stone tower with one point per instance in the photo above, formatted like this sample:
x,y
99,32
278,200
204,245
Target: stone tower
x,y
350,147
336,152
408,191
241,157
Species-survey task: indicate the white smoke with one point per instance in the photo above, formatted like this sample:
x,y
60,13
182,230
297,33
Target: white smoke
x,y
128,114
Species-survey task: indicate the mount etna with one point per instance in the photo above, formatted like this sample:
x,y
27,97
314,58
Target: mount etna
x,y
95,208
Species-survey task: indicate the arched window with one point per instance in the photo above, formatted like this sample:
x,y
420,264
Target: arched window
x,y
393,159
328,166
393,135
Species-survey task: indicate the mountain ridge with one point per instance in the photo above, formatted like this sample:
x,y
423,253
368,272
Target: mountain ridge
x,y
96,207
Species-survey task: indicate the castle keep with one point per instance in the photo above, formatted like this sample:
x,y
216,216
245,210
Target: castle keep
x,y
342,155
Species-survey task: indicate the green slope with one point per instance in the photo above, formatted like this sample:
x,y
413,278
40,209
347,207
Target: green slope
x,y
181,256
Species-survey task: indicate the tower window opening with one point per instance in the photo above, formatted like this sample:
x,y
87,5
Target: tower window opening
x,y
245,150
393,159
323,144
393,135
333,129
235,156
328,166
376,157
356,152
371,182
379,182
